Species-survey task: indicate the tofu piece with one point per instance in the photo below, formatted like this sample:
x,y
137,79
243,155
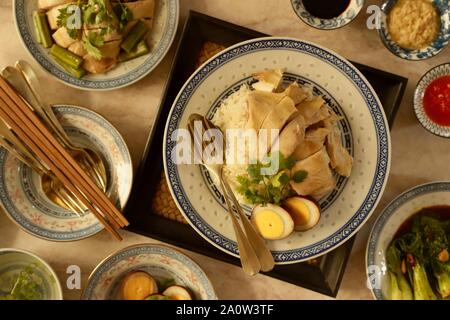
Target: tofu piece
x,y
141,9
48,4
62,38
52,15
77,48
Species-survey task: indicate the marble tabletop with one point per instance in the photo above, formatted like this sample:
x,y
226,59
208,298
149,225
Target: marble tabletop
x,y
417,156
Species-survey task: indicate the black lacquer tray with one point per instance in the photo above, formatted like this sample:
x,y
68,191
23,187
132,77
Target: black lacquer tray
x,y
323,275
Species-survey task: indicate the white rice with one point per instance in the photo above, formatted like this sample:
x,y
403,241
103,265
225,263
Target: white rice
x,y
233,114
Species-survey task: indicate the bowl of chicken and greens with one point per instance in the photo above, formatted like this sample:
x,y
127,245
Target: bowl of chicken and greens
x,y
97,44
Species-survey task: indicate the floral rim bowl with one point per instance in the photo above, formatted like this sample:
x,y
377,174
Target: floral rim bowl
x,y
161,262
21,193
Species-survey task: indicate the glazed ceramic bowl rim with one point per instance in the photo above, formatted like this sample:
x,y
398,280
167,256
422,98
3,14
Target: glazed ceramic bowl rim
x,y
386,214
172,28
128,155
147,244
46,265
425,121
341,16
402,52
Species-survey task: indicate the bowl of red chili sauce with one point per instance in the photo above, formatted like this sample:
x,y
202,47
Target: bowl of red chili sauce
x,y
432,100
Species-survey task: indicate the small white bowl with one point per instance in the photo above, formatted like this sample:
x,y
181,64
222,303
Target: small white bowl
x,y
340,21
12,261
433,74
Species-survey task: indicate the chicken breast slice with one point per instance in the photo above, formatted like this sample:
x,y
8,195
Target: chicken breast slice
x,y
277,118
291,136
320,180
269,80
309,108
296,93
314,141
341,160
259,105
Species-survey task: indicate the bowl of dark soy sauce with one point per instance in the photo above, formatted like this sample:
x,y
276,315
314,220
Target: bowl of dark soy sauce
x,y
326,14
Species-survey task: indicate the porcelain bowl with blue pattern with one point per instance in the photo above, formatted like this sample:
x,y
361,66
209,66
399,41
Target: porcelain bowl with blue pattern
x,y
24,201
14,261
161,262
349,14
387,224
365,134
126,73
433,49
433,74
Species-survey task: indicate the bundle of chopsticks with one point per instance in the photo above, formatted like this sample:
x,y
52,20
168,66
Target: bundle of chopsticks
x,y
26,125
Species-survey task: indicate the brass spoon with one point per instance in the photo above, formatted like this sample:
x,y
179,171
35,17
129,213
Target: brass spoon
x,y
249,260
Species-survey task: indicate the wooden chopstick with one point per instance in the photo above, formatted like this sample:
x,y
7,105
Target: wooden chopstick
x,y
30,141
33,121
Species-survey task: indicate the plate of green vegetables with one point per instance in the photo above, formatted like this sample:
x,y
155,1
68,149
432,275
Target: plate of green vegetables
x,y
408,249
25,276
97,44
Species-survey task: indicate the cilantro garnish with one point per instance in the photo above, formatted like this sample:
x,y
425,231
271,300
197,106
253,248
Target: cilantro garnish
x,y
257,188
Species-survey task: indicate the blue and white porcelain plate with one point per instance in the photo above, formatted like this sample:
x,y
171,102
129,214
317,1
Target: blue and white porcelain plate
x,y
343,19
161,38
435,73
421,54
367,136
24,201
387,224
161,262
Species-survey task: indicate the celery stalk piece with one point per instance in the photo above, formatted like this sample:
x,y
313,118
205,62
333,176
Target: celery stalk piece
x,y
140,50
43,29
76,72
66,56
135,35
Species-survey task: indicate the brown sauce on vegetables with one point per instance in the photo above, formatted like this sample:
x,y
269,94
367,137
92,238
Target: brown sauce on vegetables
x,y
441,213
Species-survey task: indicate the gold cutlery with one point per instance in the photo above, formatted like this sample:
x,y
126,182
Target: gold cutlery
x,y
52,187
35,135
262,251
253,252
24,80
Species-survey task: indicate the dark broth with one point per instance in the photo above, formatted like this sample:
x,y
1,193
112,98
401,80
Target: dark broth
x,y
441,213
326,9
